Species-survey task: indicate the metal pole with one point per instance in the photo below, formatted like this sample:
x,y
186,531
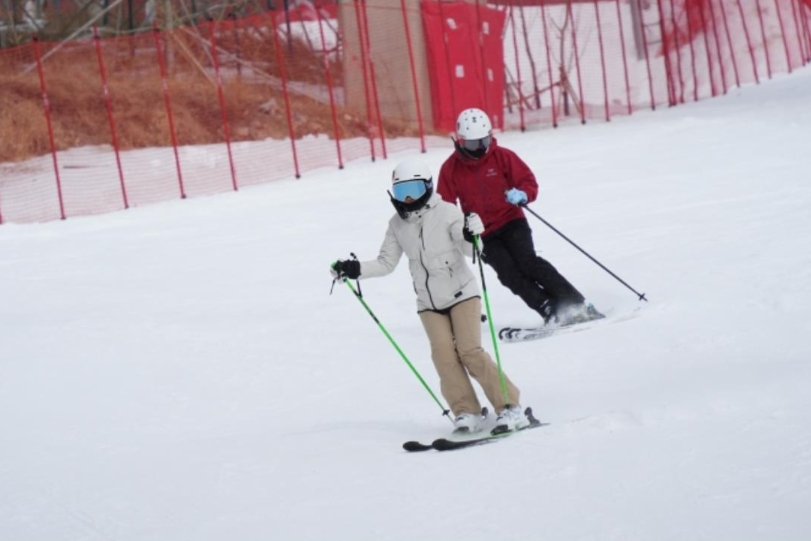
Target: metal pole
x,y
567,239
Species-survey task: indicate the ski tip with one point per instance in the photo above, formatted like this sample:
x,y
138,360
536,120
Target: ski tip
x,y
415,446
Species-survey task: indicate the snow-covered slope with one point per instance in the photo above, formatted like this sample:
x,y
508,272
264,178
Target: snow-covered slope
x,y
180,371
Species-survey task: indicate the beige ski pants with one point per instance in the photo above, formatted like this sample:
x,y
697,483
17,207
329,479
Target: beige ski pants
x,y
456,349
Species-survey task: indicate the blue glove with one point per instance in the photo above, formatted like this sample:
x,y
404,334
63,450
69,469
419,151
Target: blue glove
x,y
516,196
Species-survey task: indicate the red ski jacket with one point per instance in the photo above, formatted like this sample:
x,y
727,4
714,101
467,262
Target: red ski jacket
x,y
480,185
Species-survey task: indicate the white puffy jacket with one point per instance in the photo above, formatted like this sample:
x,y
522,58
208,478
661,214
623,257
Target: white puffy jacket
x,y
432,240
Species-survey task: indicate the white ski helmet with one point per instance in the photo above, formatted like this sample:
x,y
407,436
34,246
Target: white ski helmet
x,y
473,132
411,186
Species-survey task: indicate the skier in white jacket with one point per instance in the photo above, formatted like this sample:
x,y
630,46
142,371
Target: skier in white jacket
x,y
431,233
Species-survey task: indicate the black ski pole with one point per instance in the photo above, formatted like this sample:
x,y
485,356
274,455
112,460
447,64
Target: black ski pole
x,y
620,280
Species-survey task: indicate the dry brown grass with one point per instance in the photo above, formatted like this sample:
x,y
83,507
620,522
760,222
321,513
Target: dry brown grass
x,y
256,108
22,123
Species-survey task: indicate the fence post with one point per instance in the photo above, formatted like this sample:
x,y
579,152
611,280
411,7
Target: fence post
x,y
749,42
330,88
763,37
718,47
704,31
110,119
47,104
382,132
215,59
806,22
168,103
362,47
624,59
517,69
800,35
783,34
280,60
413,75
530,57
669,78
804,16
636,5
577,65
602,61
729,44
675,25
549,67
692,57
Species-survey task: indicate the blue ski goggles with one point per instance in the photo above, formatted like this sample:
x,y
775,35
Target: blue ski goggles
x,y
475,144
409,188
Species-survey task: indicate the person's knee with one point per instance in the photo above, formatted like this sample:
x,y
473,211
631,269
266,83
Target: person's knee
x,y
473,359
531,264
448,367
513,282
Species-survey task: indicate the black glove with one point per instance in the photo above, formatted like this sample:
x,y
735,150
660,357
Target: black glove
x,y
346,267
467,235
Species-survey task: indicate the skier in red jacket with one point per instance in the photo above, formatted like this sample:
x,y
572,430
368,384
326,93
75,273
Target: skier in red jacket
x,y
493,182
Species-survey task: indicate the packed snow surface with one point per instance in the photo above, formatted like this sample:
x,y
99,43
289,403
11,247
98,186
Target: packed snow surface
x,y
180,371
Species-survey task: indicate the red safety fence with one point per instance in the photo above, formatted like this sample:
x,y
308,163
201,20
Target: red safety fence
x,y
20,17
102,124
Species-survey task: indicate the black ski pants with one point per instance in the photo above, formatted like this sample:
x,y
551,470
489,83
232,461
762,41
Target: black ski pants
x,y
511,253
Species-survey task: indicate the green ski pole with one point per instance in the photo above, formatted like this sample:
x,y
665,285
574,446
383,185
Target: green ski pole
x,y
490,319
445,411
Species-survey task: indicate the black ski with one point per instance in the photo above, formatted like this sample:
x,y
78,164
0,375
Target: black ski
x,y
415,446
444,444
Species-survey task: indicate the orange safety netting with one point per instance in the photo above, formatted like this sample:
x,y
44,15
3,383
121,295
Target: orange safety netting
x,y
279,93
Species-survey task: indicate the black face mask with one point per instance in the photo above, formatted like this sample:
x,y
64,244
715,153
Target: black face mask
x,y
476,154
473,148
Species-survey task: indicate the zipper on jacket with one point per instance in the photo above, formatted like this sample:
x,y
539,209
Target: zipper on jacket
x,y
427,274
482,182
